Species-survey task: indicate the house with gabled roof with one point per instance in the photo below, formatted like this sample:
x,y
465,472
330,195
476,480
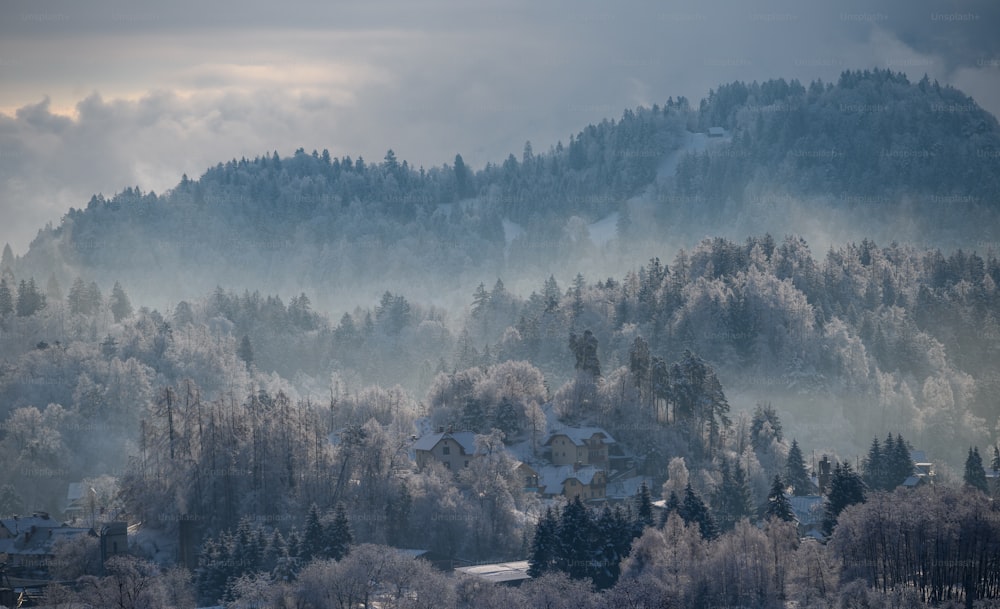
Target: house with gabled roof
x,y
454,449
587,482
583,445
29,542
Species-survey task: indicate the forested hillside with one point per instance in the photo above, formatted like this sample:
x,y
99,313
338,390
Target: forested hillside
x,y
842,153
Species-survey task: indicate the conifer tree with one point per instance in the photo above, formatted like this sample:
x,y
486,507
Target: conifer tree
x,y
900,463
121,307
576,540
339,536
643,508
672,506
795,471
694,510
975,475
314,543
545,545
846,488
778,505
874,466
732,500
6,299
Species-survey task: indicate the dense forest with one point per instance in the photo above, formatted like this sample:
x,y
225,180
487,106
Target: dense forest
x,y
252,355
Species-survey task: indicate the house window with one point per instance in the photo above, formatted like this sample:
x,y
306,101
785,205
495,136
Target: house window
x,y
466,464
446,450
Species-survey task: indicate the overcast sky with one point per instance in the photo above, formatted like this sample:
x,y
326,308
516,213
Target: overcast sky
x,y
102,94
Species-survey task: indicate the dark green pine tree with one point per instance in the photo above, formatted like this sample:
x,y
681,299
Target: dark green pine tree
x,y
29,299
995,464
643,508
314,543
576,541
846,488
545,545
795,472
6,299
732,500
874,466
778,505
613,541
672,506
900,463
694,510
975,475
121,307
245,351
338,535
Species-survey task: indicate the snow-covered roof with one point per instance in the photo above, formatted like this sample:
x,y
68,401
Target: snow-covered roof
x,y
624,488
74,492
499,572
579,435
465,439
551,478
18,525
808,510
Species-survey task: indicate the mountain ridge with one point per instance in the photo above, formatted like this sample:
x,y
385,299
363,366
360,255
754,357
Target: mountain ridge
x,y
868,151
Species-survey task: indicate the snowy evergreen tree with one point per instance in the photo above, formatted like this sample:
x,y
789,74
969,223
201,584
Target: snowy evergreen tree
x,y
732,500
694,511
121,307
545,548
795,472
643,508
778,505
672,506
339,537
6,299
576,536
975,474
846,488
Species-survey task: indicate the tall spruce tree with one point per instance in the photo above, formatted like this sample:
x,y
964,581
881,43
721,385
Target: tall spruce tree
x,y
121,307
795,472
975,475
732,500
846,488
338,535
643,508
694,510
6,299
576,540
778,505
874,466
545,549
673,505
899,465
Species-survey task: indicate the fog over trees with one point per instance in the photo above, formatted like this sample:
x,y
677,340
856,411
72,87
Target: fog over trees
x,y
252,355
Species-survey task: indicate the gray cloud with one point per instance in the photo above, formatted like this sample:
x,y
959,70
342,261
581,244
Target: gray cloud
x,y
136,93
